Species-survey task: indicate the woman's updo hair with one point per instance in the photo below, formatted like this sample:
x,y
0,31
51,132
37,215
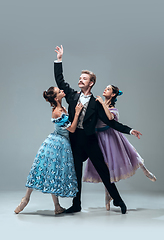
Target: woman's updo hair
x,y
50,96
114,99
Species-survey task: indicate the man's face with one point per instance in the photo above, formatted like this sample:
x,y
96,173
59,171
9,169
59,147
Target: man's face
x,y
84,81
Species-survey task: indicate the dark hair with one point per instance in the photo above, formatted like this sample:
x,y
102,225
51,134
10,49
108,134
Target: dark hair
x,y
49,96
113,100
91,75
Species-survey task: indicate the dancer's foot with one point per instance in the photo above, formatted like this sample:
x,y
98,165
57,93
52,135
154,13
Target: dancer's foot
x,y
108,205
148,173
59,210
122,205
73,209
21,205
151,176
108,199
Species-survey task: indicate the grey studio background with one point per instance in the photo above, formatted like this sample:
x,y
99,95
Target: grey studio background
x,y
121,41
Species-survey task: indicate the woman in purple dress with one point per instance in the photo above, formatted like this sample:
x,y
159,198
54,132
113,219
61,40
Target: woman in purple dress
x,y
120,156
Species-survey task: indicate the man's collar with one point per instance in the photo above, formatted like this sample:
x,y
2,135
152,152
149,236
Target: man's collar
x,y
85,96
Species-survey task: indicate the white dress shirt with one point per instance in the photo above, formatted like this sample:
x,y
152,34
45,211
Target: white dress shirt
x,y
84,98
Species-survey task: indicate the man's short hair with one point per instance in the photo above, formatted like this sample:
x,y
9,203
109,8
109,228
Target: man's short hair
x,y
91,74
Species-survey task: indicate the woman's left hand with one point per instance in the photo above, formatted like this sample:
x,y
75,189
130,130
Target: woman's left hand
x,y
99,99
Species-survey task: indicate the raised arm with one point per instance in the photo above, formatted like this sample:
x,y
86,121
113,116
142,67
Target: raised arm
x,y
59,51
58,73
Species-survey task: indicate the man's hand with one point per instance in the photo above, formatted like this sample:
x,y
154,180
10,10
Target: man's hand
x,y
136,133
59,51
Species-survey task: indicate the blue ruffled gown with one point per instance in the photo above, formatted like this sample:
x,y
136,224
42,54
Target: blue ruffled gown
x,y
53,168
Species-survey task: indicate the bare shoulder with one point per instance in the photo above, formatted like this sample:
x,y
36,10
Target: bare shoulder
x,y
64,109
56,113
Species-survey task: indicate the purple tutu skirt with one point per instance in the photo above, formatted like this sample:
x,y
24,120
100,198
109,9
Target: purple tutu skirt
x,y
120,156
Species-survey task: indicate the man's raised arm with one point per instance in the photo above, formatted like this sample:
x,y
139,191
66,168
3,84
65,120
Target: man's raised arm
x,y
59,51
58,73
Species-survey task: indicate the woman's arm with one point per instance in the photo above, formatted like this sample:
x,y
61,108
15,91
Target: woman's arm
x,y
73,126
106,109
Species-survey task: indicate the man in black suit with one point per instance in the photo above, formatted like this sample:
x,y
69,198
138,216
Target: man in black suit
x,y
84,141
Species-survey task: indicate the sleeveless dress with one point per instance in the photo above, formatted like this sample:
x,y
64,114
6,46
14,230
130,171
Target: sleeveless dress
x,y
120,156
53,168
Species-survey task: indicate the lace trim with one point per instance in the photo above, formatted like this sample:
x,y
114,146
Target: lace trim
x,y
66,125
56,120
113,179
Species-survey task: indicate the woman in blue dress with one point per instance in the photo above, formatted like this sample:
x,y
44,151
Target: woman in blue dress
x,y
53,168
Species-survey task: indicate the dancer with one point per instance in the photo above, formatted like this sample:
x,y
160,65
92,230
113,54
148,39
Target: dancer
x,y
120,156
84,141
53,168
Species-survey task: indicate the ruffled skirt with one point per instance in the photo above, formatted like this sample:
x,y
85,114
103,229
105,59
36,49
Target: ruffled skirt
x,y
53,168
120,156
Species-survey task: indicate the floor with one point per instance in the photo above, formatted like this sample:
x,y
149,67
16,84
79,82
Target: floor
x,y
144,219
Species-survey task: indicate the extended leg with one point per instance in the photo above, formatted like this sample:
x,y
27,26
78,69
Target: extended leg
x,y
148,173
24,201
97,159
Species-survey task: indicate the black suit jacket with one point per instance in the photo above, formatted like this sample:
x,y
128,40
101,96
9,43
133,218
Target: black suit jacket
x,y
94,110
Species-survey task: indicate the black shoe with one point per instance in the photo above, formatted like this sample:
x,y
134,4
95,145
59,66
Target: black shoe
x,y
121,205
73,209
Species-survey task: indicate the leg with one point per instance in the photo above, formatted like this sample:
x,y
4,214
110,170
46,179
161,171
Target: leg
x,y
76,207
148,173
112,190
24,201
58,208
79,155
97,159
78,169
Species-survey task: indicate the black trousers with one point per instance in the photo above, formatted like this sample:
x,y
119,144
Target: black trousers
x,y
84,146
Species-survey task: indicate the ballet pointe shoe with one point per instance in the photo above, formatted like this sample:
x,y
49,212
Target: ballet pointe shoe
x,y
108,199
108,206
107,202
21,205
147,173
151,176
59,210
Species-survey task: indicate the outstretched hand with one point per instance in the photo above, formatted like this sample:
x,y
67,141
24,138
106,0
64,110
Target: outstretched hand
x,y
59,51
136,133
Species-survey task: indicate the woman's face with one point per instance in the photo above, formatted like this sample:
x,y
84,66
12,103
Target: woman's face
x,y
108,92
59,93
